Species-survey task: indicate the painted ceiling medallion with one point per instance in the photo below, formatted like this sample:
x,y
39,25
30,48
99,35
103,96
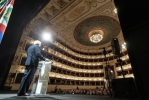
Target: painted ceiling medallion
x,y
97,30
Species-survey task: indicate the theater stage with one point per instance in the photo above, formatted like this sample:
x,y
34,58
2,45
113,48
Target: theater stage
x,y
52,96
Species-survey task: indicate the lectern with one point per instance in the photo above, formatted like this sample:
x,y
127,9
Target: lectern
x,y
41,78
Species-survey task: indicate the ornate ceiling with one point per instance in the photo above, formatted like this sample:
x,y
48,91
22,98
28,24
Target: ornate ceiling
x,y
72,21
110,28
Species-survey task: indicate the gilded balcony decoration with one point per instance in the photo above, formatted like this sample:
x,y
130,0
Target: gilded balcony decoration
x,y
57,75
66,67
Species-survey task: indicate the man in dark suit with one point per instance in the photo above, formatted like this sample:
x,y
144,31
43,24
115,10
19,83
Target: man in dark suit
x,y
33,57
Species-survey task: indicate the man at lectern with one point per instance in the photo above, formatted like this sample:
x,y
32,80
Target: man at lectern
x,y
33,57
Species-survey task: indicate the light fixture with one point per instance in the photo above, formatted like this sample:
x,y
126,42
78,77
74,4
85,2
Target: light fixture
x,y
96,38
96,35
115,10
124,45
46,36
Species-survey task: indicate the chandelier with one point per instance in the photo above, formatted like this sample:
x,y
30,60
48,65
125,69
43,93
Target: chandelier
x,y
96,35
96,38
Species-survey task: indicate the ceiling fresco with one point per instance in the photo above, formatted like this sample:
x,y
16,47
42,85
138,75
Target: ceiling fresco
x,y
108,25
72,21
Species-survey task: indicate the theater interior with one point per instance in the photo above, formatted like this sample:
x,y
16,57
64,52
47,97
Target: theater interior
x,y
99,48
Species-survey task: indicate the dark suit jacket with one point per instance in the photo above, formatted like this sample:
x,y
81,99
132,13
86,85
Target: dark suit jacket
x,y
33,55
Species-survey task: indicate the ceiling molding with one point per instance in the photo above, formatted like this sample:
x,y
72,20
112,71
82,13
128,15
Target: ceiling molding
x,y
62,18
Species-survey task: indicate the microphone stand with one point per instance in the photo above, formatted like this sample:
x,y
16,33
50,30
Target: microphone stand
x,y
108,77
120,61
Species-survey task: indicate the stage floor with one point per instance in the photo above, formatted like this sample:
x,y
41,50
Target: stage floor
x,y
52,96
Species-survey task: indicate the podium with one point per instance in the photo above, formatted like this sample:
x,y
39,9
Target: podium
x,y
41,78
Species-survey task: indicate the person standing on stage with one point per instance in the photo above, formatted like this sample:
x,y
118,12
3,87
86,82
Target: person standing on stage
x,y
31,63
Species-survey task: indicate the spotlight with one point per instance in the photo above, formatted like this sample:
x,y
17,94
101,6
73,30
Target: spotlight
x,y
46,36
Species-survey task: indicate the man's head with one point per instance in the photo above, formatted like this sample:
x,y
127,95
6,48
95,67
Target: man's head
x,y
37,42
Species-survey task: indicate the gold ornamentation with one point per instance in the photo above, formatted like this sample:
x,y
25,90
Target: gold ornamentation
x,y
93,3
53,9
58,24
76,12
61,3
47,16
64,21
108,10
